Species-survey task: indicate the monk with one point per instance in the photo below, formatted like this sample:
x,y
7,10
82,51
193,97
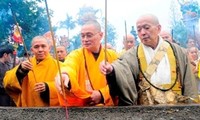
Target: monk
x,y
31,84
156,72
85,84
128,42
61,52
166,35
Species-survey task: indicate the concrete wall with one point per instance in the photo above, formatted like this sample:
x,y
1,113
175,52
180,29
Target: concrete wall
x,y
189,112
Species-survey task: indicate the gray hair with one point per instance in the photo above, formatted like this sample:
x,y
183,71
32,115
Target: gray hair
x,y
95,23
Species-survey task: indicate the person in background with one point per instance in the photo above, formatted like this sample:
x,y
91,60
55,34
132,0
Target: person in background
x,y
5,60
61,52
156,72
193,57
192,53
85,85
31,84
191,43
166,35
128,42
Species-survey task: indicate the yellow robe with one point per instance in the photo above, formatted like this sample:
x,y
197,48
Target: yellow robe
x,y
75,68
24,95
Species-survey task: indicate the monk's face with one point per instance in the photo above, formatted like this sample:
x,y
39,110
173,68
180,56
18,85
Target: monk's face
x,y
166,36
61,52
191,43
129,42
91,38
40,48
193,53
148,31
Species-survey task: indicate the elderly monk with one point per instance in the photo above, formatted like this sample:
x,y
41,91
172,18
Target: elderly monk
x,y
32,84
85,84
156,72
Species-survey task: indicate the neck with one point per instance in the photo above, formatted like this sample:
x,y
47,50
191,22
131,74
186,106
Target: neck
x,y
154,46
96,50
63,60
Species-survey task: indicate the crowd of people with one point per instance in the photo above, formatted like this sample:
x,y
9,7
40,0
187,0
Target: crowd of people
x,y
157,71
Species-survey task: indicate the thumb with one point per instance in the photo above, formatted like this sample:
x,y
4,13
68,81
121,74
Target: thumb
x,y
58,83
66,80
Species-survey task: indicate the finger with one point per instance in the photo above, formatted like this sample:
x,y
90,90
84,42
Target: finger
x,y
39,86
36,89
40,89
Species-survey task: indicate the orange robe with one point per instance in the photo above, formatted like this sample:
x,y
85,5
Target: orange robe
x,y
75,68
24,95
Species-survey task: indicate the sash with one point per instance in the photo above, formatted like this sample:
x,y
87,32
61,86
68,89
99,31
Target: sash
x,y
151,68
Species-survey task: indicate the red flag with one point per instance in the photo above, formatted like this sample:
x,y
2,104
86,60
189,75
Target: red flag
x,y
16,35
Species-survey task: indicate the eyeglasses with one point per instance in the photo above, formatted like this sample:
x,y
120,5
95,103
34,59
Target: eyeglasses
x,y
88,35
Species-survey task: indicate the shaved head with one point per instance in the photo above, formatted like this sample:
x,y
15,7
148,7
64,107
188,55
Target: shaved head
x,y
150,17
39,38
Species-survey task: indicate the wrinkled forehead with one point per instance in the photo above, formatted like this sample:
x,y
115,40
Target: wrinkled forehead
x,y
147,20
193,49
60,48
190,40
129,38
143,22
165,33
39,41
88,28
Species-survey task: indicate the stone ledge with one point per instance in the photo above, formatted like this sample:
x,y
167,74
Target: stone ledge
x,y
172,112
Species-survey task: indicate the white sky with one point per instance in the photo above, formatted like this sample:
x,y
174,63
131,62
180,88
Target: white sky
x,y
118,11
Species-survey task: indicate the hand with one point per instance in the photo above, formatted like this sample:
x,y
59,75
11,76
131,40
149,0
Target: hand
x,y
106,68
40,87
95,97
65,80
26,65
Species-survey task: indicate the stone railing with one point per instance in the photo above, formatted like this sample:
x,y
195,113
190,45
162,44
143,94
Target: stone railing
x,y
172,112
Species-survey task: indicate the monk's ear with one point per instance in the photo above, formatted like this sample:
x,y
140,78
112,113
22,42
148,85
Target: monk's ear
x,y
159,28
31,49
101,34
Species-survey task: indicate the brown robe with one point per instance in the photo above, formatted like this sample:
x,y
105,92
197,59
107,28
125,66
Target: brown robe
x,y
126,73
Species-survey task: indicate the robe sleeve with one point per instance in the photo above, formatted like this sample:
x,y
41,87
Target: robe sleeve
x,y
105,94
12,85
53,97
71,68
125,82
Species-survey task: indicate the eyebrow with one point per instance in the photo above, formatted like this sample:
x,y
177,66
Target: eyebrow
x,y
87,33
